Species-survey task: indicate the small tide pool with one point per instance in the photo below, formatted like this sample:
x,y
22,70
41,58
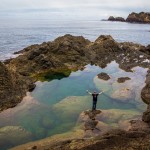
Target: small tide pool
x,y
54,107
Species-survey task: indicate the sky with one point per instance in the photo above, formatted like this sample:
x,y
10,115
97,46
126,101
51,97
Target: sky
x,y
73,8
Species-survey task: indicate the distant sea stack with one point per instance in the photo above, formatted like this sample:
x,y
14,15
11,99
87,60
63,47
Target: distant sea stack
x,y
111,18
142,17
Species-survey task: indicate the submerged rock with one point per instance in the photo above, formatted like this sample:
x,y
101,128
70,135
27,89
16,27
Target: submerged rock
x,y
123,94
92,127
103,76
13,135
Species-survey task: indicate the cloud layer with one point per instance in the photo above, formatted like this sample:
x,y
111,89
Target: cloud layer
x,y
82,8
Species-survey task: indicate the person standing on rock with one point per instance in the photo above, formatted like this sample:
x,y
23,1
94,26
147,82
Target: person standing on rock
x,y
95,95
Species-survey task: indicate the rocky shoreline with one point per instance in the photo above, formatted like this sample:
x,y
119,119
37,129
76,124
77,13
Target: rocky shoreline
x,y
141,17
61,57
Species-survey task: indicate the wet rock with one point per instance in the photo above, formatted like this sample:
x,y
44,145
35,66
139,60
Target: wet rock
x,y
91,125
123,79
103,76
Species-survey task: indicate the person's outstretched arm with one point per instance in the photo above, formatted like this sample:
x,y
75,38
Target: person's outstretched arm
x,y
101,92
88,92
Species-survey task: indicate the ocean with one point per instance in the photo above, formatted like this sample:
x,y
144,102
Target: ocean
x,y
19,32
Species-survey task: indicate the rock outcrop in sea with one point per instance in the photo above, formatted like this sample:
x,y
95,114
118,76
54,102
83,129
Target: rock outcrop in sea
x,y
111,18
141,17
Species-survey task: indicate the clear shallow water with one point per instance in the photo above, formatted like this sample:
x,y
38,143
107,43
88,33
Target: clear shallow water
x,y
17,33
54,107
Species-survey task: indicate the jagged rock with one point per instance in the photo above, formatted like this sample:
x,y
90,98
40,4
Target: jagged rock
x,y
141,17
103,76
123,79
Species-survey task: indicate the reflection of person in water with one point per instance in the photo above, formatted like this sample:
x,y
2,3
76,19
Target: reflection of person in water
x,y
95,95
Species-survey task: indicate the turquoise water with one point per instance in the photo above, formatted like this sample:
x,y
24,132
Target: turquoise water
x,y
54,107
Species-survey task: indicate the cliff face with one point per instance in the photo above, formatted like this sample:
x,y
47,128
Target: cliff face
x,y
141,17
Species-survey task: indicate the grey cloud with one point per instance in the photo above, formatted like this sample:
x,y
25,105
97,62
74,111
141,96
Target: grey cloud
x,y
79,7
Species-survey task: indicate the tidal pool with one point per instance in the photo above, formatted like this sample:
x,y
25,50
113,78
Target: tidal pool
x,y
54,107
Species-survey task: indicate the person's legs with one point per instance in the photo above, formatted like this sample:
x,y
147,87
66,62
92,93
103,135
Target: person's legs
x,y
94,105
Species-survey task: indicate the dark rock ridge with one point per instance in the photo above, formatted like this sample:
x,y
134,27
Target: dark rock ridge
x,y
60,57
141,17
123,79
111,18
103,76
